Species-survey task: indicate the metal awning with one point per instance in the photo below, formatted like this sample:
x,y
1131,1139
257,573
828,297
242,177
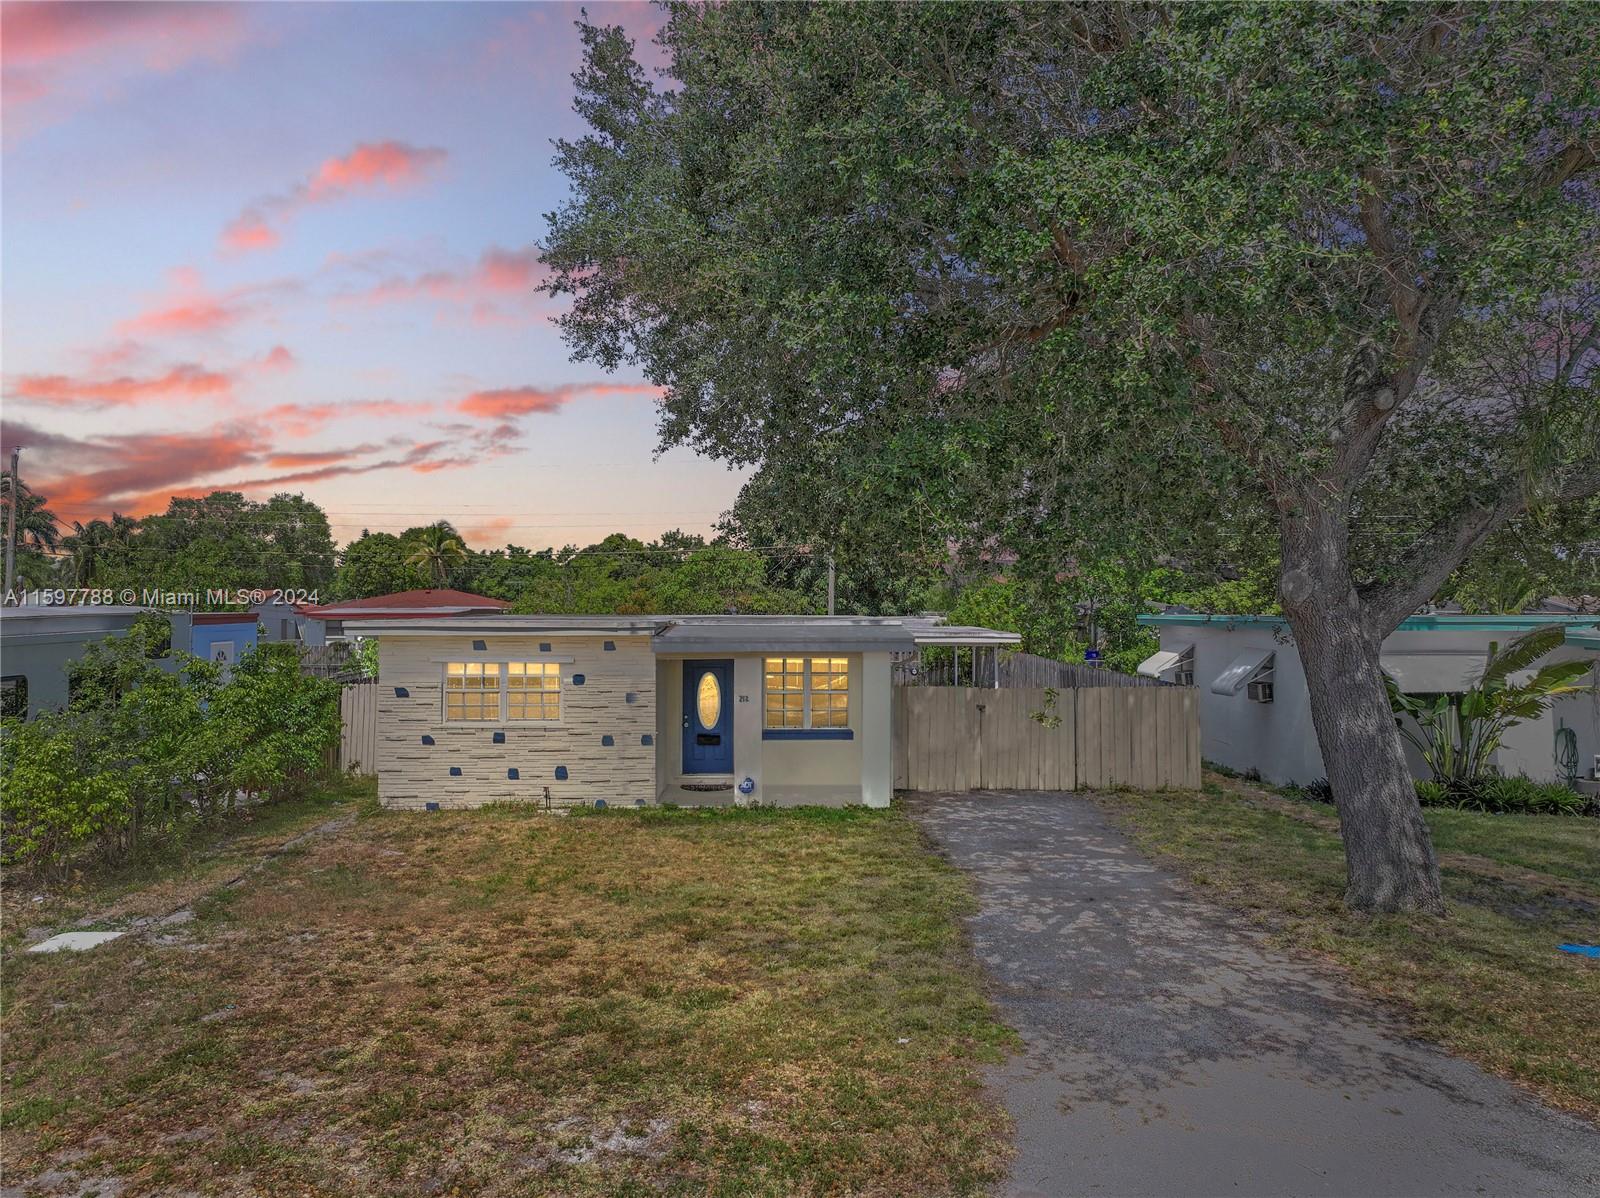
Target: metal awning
x,y
1240,671
1160,663
1434,673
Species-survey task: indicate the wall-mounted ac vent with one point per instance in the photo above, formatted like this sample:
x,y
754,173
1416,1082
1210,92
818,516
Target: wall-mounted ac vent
x,y
1259,691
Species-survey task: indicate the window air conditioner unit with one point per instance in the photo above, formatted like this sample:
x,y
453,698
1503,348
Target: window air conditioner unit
x,y
1259,692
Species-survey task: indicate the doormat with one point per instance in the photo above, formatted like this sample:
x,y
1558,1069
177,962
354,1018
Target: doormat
x,y
705,787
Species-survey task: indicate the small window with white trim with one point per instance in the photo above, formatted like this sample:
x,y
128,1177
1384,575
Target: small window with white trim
x,y
807,692
533,690
472,691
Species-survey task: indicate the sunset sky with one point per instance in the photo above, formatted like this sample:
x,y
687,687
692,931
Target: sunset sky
x,y
292,247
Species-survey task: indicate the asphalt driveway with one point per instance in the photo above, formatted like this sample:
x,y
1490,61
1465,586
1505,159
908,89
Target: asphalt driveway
x,y
1170,1050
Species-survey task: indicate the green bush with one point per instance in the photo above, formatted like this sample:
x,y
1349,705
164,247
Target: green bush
x,y
1507,794
143,750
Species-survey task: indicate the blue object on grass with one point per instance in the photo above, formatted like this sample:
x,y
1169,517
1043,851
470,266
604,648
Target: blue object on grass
x,y
599,804
1583,950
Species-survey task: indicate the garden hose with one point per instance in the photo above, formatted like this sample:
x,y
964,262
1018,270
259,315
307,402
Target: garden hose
x,y
1566,754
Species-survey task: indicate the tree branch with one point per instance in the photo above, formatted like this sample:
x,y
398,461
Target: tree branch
x,y
1441,550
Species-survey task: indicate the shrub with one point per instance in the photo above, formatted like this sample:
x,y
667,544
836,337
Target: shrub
x,y
1318,791
142,750
59,791
1507,794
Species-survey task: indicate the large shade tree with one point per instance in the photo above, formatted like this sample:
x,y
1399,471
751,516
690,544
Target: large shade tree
x,y
1101,278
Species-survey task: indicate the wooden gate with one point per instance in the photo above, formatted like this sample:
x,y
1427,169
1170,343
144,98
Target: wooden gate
x,y
961,738
358,739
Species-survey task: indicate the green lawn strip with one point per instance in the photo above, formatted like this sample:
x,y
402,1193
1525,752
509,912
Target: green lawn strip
x,y
498,1002
1487,982
166,874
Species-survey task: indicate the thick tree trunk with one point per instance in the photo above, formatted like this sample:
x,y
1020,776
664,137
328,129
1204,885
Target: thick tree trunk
x,y
1388,852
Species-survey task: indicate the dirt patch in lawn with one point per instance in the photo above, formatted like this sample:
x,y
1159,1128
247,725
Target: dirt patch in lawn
x,y
504,1003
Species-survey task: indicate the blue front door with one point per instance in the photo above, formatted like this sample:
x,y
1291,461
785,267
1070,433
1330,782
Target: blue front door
x,y
707,717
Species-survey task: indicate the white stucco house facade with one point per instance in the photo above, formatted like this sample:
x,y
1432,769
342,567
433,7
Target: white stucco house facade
x,y
635,710
1255,712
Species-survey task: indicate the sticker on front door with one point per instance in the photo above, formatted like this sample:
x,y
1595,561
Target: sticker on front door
x,y
707,717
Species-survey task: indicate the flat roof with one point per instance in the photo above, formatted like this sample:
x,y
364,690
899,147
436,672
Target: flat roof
x,y
706,633
783,636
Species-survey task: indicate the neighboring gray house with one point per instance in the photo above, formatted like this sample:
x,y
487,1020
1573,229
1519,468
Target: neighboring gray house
x,y
1255,713
38,643
639,709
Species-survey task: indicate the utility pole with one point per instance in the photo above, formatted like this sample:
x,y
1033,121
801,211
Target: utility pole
x,y
11,523
830,582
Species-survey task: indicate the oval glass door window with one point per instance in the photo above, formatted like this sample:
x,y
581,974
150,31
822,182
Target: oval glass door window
x,y
708,699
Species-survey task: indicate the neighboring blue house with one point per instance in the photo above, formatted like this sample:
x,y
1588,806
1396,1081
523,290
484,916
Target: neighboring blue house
x,y
220,636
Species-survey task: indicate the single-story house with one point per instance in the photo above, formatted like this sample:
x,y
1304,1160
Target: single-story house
x,y
1255,712
430,603
631,710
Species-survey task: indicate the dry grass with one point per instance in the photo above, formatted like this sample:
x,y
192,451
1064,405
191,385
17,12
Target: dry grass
x,y
504,1003
1487,982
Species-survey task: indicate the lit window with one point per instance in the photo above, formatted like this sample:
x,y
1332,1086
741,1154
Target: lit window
x,y
533,690
807,692
472,690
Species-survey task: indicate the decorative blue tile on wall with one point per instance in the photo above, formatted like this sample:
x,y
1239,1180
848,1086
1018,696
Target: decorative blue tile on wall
x,y
610,646
401,692
480,646
544,646
499,738
631,697
577,680
512,773
561,773
599,804
455,771
427,740
647,739
608,740
431,806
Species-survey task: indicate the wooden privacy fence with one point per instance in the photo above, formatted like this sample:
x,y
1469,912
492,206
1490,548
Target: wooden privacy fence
x,y
358,738
965,738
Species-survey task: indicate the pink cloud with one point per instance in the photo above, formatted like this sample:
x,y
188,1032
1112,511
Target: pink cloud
x,y
57,57
500,288
138,473
509,402
278,358
299,420
185,382
369,166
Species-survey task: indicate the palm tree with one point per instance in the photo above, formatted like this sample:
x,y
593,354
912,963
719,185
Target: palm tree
x,y
86,551
1458,733
436,549
37,526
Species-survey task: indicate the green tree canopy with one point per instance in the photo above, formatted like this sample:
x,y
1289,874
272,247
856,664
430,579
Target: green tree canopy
x,y
1100,281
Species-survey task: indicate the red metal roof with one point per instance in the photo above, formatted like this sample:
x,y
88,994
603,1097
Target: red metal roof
x,y
431,601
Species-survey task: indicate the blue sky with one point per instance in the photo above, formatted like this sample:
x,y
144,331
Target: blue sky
x,y
293,247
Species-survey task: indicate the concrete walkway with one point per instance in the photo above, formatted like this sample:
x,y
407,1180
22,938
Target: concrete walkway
x,y
1169,1050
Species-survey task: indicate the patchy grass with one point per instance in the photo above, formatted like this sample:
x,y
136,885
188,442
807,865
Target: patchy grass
x,y
1487,982
501,1002
167,874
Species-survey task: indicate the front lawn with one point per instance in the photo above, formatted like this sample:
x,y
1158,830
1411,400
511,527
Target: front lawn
x,y
1488,981
500,1002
